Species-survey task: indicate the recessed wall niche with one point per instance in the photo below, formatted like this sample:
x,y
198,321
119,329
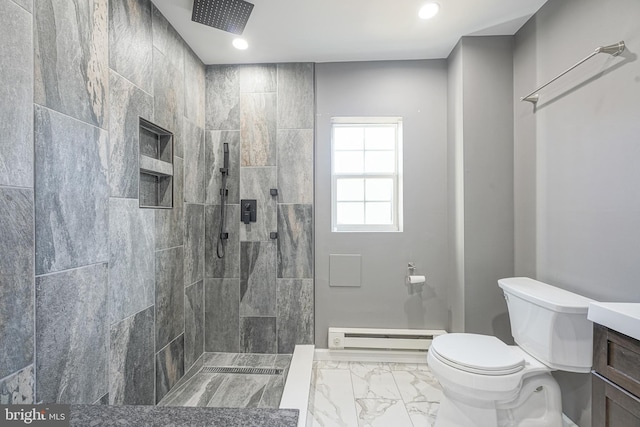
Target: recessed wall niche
x,y
156,166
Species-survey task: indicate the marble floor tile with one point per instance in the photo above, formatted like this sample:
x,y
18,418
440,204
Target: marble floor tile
x,y
418,386
373,381
382,413
423,413
333,403
239,391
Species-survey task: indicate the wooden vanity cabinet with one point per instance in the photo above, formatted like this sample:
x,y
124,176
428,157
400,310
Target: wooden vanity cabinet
x,y
615,379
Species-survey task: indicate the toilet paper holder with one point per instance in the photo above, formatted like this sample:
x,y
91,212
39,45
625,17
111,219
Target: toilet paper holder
x,y
411,278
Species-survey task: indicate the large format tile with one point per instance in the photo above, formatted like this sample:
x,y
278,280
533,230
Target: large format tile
x,y
16,279
295,166
170,222
382,413
130,42
239,391
127,104
423,413
373,381
169,295
193,244
229,265
196,392
255,183
131,366
132,258
18,388
193,323
72,202
169,367
331,401
194,161
26,4
16,91
168,98
72,335
223,97
222,318
272,392
258,129
295,313
257,279
417,386
258,334
258,78
295,241
214,150
194,88
296,100
71,59
167,40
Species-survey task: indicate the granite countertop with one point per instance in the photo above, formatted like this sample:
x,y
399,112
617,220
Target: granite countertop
x,y
167,416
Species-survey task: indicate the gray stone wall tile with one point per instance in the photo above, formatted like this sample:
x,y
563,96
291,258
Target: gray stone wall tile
x,y
255,183
71,193
169,295
127,104
229,265
258,334
214,151
130,42
16,91
168,98
257,279
258,78
295,166
193,243
167,40
295,241
72,335
18,389
132,258
194,88
295,313
223,97
258,129
170,222
26,4
296,97
169,367
71,58
16,280
194,160
222,318
131,360
194,323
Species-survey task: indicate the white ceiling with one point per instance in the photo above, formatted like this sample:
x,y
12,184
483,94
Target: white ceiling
x,y
348,30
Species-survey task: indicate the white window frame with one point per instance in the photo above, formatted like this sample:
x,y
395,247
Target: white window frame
x,y
396,176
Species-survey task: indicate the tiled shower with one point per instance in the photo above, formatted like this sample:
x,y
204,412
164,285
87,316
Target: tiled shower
x,y
104,301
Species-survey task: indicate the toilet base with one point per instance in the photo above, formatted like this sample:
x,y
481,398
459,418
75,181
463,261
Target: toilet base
x,y
537,405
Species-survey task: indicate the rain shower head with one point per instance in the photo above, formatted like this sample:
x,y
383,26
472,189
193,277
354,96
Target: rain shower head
x,y
226,15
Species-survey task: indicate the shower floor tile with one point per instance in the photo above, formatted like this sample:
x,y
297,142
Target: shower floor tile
x,y
233,390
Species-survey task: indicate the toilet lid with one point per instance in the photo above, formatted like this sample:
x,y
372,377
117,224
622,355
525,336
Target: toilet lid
x,y
478,354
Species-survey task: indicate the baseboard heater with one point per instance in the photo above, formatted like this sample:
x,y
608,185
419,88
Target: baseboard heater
x,y
382,339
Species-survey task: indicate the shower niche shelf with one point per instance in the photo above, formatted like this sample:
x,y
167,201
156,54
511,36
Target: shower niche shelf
x,y
156,166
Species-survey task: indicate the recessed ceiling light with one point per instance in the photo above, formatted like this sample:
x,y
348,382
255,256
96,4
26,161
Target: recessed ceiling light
x,y
429,10
240,44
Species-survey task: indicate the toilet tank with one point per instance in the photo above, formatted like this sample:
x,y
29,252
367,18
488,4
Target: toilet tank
x,y
550,323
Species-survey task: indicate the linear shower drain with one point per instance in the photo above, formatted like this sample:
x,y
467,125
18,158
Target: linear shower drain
x,y
240,370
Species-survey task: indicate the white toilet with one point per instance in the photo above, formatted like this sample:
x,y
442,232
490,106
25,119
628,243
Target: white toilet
x,y
488,383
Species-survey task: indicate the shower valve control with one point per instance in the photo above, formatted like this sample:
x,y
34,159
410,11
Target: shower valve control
x,y
248,211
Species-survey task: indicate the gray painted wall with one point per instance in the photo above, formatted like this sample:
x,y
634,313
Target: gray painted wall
x,y
584,180
415,90
481,192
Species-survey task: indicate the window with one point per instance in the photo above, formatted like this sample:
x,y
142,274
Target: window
x,y
366,160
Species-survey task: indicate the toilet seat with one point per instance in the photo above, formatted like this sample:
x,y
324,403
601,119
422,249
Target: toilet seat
x,y
477,354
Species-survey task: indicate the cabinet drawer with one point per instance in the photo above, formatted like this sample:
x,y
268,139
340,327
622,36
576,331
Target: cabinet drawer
x,y
617,358
613,406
